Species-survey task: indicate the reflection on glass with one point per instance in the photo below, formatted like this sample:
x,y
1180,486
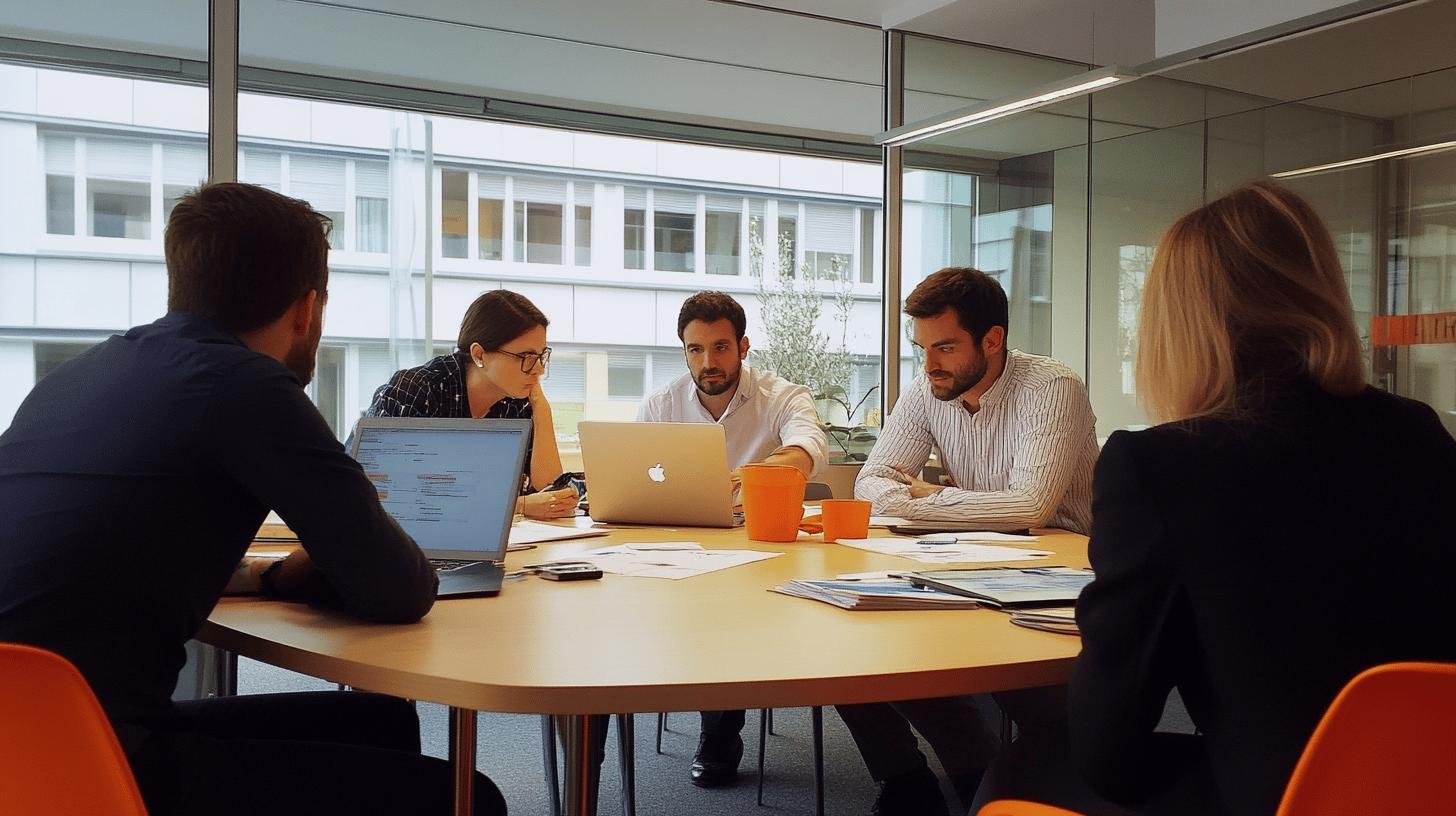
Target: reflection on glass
x,y
723,243
454,220
634,238
673,239
583,235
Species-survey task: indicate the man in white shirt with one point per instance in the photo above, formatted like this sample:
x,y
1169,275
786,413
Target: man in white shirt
x,y
1016,437
765,419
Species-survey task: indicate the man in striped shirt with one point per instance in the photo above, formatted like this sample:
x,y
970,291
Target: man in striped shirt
x,y
1016,437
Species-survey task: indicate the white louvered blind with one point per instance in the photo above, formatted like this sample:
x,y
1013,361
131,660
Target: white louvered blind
x,y
567,381
674,201
263,168
119,159
184,164
371,179
755,207
539,191
666,367
828,229
376,366
60,155
634,198
317,180
491,186
725,203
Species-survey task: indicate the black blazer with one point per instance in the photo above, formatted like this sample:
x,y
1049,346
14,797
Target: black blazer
x,y
1257,565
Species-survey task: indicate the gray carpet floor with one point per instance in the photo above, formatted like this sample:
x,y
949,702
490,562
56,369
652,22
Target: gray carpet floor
x,y
510,754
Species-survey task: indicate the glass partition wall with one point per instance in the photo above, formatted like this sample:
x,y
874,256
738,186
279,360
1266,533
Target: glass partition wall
x,y
1068,201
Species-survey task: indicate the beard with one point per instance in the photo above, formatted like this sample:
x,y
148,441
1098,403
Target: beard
x,y
713,389
303,355
962,379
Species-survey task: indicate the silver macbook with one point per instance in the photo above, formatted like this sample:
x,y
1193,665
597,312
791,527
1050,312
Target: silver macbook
x,y
663,473
452,485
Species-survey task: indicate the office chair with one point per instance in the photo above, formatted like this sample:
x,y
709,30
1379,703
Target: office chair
x,y
1387,744
58,753
1016,807
817,491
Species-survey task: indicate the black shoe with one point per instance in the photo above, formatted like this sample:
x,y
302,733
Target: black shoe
x,y
913,794
715,765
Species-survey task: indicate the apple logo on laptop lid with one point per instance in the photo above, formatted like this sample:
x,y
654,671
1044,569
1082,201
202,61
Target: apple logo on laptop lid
x,y
656,473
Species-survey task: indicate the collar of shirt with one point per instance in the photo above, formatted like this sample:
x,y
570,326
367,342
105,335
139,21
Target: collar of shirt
x,y
748,386
999,390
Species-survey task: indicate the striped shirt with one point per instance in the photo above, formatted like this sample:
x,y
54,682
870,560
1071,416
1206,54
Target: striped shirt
x,y
1023,460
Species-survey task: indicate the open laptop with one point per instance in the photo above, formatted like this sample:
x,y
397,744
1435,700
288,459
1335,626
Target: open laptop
x,y
661,473
452,485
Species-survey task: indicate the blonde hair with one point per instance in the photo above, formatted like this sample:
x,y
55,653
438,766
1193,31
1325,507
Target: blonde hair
x,y
1239,287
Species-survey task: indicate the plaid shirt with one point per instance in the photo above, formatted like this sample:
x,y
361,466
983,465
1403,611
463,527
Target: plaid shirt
x,y
437,389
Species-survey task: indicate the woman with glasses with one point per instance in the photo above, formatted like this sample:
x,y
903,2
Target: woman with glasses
x,y
495,373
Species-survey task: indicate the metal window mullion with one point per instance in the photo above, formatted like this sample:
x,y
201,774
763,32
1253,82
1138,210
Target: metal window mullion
x,y
700,237
222,91
649,235
79,209
472,215
893,158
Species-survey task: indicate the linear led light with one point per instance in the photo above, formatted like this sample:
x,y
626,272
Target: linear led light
x,y
1389,154
982,112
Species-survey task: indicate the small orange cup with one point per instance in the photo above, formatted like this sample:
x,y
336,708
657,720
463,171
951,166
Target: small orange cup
x,y
845,518
773,501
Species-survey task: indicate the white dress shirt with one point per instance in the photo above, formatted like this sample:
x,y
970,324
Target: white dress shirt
x,y
1024,459
767,414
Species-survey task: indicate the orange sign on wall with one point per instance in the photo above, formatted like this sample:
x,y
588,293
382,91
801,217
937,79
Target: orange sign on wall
x,y
1410,330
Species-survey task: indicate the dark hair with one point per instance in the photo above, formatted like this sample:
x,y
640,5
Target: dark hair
x,y
496,318
978,300
240,255
710,307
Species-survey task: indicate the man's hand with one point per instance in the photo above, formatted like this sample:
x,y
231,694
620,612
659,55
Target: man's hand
x,y
247,579
550,504
919,488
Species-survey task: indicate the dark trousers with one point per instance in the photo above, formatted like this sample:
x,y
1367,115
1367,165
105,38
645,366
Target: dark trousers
x,y
315,753
722,723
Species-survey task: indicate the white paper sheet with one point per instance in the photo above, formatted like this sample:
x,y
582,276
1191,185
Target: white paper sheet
x,y
657,560
534,532
958,553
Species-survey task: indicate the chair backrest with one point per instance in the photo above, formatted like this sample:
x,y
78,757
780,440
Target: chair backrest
x,y
1016,807
1387,744
817,491
58,754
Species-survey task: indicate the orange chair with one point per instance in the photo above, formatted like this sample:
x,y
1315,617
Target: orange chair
x,y
1015,807
1387,744
58,755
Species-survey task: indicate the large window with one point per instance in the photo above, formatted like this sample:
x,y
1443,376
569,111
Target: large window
x,y
674,230
538,219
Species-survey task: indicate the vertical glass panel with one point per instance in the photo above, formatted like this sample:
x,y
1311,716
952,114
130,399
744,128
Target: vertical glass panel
x,y
634,228
583,235
723,242
789,233
491,212
60,205
626,374
828,242
674,224
371,205
867,259
454,218
543,233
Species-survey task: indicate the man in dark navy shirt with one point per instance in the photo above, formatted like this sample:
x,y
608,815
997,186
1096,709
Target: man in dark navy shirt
x,y
133,479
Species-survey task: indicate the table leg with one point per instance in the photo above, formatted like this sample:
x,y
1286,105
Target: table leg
x,y
225,670
462,758
580,798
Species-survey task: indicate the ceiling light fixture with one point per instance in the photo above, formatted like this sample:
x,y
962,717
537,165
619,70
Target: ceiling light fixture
x,y
1389,154
982,112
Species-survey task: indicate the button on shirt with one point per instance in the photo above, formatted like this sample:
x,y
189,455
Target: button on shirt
x,y
767,414
1023,460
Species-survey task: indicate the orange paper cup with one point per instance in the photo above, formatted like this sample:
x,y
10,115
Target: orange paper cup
x,y
845,518
773,501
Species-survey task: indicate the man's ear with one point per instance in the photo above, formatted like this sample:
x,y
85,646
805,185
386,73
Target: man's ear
x,y
743,347
994,340
301,314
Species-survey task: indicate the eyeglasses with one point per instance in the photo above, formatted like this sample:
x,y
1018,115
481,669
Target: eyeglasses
x,y
530,358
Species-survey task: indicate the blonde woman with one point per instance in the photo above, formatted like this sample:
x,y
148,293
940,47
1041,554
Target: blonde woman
x,y
1240,546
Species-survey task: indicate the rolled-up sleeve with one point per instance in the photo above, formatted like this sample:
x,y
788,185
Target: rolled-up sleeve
x,y
903,446
798,425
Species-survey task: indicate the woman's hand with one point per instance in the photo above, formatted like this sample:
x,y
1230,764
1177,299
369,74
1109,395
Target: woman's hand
x,y
537,398
550,504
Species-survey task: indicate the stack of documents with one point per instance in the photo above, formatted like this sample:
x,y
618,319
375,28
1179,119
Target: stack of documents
x,y
1059,619
885,594
534,532
945,549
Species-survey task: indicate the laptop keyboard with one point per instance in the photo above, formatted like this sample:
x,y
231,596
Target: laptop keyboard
x,y
449,564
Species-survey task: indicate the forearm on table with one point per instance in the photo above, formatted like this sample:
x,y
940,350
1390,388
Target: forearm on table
x,y
1004,509
793,456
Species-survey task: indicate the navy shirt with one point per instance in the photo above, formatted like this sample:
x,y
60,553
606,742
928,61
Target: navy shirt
x,y
133,479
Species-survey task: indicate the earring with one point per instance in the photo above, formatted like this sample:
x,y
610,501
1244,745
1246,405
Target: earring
x,y
480,364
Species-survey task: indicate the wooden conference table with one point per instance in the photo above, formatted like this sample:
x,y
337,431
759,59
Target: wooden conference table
x,y
626,645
